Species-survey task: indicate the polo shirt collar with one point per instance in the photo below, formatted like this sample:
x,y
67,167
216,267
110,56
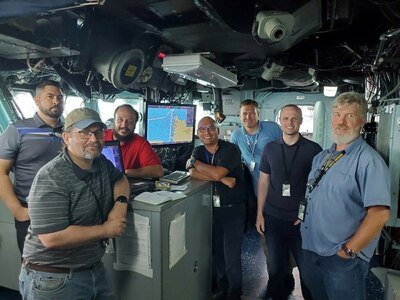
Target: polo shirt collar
x,y
41,123
259,129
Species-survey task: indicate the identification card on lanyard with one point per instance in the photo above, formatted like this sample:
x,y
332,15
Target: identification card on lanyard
x,y
302,210
286,190
216,200
252,166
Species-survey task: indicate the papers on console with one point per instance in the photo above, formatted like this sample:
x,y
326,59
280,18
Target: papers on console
x,y
159,197
133,248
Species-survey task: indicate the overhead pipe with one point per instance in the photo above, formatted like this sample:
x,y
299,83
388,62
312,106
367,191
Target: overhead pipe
x,y
218,110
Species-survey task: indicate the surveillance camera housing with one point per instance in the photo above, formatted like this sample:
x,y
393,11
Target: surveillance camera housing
x,y
274,25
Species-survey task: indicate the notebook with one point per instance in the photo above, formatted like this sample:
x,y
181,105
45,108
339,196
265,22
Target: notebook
x,y
112,151
158,197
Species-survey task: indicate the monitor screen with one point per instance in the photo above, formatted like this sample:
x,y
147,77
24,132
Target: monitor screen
x,y
170,124
112,151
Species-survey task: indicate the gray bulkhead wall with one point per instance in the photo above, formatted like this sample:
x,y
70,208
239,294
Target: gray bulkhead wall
x,y
271,103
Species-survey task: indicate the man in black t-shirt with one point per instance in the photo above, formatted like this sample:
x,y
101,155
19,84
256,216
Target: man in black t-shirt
x,y
284,169
219,161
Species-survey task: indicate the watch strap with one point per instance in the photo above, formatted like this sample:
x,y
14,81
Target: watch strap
x,y
192,161
121,199
349,252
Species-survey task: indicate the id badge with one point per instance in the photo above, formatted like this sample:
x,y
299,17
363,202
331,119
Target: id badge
x,y
252,166
286,190
216,201
302,210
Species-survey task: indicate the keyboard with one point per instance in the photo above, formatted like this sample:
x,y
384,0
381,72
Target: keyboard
x,y
175,177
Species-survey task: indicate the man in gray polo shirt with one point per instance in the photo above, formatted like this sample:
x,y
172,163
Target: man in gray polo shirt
x,y
25,147
77,202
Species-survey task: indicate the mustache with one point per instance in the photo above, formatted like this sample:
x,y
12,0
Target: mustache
x,y
94,145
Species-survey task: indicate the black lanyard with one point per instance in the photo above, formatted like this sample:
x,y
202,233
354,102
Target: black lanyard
x,y
210,161
288,171
328,163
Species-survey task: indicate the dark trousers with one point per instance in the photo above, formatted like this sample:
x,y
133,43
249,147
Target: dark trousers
x,y
22,231
281,236
334,277
228,230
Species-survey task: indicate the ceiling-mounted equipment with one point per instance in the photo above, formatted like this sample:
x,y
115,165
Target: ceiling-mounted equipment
x,y
330,90
197,68
274,25
122,67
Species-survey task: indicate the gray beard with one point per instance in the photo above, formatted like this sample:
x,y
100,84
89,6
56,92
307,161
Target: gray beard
x,y
344,139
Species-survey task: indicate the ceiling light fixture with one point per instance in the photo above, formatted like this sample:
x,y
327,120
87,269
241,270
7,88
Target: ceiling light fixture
x,y
330,91
199,69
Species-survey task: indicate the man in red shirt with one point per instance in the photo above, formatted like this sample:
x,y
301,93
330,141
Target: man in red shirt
x,y
140,160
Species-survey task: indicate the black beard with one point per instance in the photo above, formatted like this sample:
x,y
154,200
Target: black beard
x,y
55,115
123,138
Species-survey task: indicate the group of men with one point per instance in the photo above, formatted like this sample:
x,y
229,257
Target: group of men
x,y
77,199
326,208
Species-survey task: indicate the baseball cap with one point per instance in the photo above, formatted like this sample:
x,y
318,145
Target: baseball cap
x,y
82,118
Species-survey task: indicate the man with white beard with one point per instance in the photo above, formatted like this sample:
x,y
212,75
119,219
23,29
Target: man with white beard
x,y
346,205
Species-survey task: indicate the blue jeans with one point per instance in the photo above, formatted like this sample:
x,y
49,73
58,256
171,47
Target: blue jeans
x,y
83,285
334,277
282,236
228,231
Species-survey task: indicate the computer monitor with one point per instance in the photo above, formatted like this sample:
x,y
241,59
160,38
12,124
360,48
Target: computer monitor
x,y
170,124
112,151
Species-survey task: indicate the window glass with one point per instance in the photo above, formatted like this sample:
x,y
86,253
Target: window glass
x,y
25,104
106,111
72,102
200,112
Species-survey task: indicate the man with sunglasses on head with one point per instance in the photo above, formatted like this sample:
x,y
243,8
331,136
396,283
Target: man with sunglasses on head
x,y
219,162
77,202
140,160
25,146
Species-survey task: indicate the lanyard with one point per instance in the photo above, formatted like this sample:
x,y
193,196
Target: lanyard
x,y
252,147
328,163
210,161
288,171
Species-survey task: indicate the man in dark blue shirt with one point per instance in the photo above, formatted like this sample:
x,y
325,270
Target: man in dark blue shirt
x,y
284,167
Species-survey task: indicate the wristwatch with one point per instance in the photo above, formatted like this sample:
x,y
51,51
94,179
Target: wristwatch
x,y
121,199
192,161
350,253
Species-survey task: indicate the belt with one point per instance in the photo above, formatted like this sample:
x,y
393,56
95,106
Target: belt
x,y
50,269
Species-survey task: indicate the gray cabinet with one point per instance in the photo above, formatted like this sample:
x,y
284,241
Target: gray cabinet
x,y
168,274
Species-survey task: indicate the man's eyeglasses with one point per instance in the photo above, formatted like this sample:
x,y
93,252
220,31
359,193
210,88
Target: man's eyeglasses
x,y
207,128
86,133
